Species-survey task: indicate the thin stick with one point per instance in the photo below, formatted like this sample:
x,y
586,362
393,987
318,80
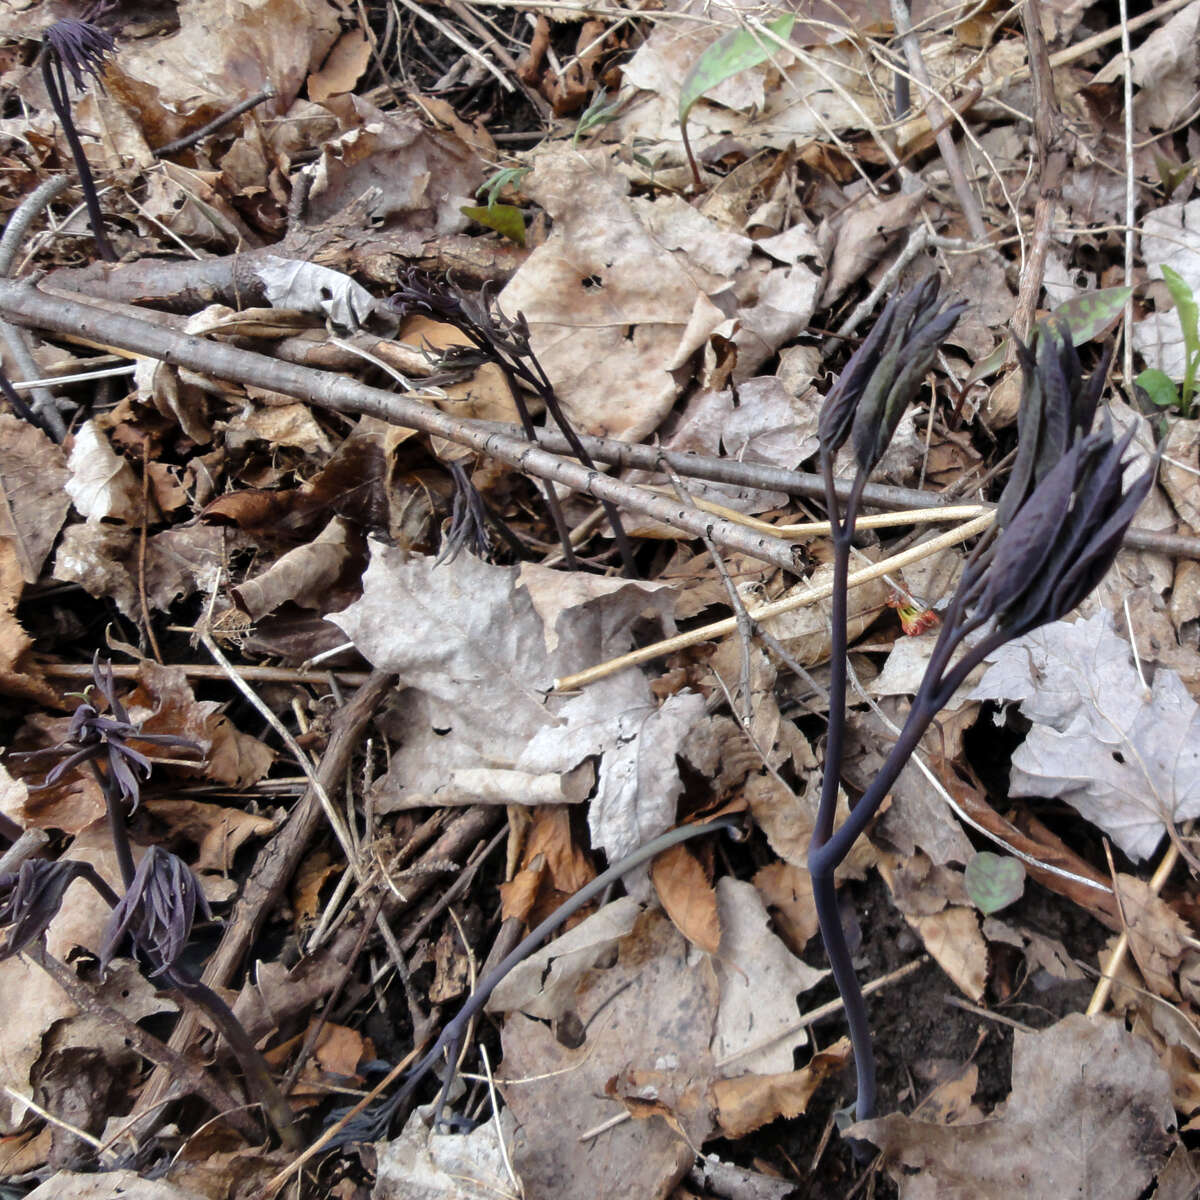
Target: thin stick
x,y
985,1013
938,117
1104,988
16,339
1130,194
197,135
802,483
277,1181
63,670
82,1134
25,305
814,594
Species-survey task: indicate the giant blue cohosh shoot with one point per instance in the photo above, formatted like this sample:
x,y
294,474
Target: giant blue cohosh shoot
x,y
77,48
1059,524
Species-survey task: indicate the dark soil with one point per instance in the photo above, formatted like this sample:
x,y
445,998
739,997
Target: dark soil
x,y
922,1039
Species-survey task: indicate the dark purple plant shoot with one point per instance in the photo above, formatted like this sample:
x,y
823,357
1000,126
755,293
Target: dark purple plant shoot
x,y
498,339
1059,524
157,911
31,896
79,49
94,737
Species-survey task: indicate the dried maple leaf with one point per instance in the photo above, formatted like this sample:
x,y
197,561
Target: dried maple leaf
x,y
1126,757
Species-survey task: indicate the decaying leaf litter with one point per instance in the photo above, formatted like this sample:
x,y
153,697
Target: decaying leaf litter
x,y
284,518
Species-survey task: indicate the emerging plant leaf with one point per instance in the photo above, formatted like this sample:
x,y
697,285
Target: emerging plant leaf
x,y
726,57
503,218
1088,317
993,881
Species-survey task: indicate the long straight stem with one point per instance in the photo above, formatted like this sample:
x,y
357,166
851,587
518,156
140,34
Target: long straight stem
x,y
56,88
820,862
823,859
116,824
278,1111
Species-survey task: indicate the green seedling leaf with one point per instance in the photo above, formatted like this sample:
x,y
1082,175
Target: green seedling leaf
x,y
495,184
736,51
993,881
1160,387
1189,318
1185,306
1089,316
1171,174
503,218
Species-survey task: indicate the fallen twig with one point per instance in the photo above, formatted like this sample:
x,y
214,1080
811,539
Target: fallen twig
x,y
810,596
24,304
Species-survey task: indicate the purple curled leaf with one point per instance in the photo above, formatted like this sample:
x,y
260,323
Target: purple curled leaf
x,y
31,897
885,372
80,47
157,911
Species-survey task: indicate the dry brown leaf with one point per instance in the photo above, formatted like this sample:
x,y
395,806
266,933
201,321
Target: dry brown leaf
x,y
103,559
342,69
805,631
953,940
15,643
112,1185
918,887
1089,1115
517,895
310,877
864,236
950,1101
747,1102
24,1151
226,50
217,1165
304,576
217,829
80,921
688,896
654,1003
419,177
553,867
787,892
605,288
33,504
1158,935
760,980
102,484
276,424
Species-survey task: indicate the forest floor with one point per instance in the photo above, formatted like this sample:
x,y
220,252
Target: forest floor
x,y
283,453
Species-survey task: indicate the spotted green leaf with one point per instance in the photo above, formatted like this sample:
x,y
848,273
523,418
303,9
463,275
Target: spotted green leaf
x,y
1089,316
993,881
